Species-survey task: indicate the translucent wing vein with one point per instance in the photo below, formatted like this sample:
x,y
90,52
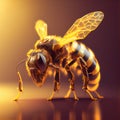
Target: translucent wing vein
x,y
82,27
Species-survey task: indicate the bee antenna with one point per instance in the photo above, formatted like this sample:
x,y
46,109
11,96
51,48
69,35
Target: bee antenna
x,y
21,62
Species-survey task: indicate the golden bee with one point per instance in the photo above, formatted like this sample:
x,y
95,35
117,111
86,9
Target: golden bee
x,y
57,52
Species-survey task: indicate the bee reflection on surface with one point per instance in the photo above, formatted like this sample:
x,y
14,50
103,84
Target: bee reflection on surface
x,y
60,109
93,112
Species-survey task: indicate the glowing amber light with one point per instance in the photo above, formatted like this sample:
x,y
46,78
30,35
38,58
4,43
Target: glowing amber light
x,y
6,92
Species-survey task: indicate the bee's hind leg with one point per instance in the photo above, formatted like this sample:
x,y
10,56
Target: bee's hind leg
x,y
85,82
85,78
98,95
91,96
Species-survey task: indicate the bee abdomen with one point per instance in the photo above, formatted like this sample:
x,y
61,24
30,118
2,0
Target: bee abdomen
x,y
94,74
90,61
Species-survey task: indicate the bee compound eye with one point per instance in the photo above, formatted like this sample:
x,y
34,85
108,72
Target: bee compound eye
x,y
41,62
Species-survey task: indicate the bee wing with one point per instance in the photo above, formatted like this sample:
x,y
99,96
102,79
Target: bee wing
x,y
82,27
41,29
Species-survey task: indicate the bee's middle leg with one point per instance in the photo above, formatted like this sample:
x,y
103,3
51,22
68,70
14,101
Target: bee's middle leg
x,y
71,87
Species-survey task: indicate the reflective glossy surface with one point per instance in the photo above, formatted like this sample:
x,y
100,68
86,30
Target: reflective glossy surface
x,y
60,109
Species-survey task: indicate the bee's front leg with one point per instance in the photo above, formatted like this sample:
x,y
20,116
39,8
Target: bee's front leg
x,y
56,84
56,88
71,80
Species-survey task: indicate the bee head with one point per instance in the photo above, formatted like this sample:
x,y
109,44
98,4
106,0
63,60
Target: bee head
x,y
36,66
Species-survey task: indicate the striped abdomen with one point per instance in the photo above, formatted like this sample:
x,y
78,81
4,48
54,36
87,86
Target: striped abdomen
x,y
93,68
